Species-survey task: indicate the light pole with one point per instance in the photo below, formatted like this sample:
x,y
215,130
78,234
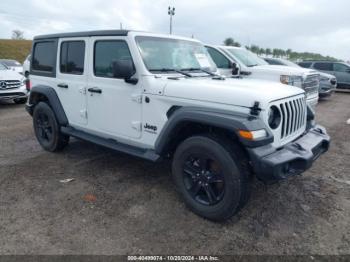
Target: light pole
x,y
171,12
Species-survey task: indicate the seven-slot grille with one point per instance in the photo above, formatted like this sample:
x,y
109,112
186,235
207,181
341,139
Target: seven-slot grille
x,y
9,84
311,83
293,116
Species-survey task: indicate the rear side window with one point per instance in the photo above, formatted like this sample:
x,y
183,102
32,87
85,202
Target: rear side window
x,y
219,59
324,66
72,57
341,68
305,64
44,57
107,52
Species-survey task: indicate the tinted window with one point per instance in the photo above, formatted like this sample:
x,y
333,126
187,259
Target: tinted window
x,y
341,68
72,57
44,57
324,66
273,61
219,59
305,64
107,52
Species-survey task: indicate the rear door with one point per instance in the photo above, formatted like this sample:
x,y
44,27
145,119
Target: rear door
x,y
71,78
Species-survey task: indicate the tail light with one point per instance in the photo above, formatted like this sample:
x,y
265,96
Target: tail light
x,y
28,84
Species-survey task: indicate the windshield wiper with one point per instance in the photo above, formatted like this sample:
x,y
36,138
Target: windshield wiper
x,y
252,65
202,70
170,70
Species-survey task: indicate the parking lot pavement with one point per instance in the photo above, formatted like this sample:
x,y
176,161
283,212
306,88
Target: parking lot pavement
x,y
118,204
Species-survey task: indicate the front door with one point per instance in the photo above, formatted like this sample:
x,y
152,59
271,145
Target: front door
x,y
71,79
114,106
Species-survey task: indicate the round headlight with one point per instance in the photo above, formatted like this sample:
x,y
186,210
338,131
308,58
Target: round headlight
x,y
274,117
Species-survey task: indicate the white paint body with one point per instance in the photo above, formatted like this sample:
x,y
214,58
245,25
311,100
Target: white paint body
x,y
120,112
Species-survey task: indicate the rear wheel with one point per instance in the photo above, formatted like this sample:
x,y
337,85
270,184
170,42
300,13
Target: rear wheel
x,y
47,129
210,177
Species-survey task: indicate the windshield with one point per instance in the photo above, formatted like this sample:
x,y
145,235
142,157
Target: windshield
x,y
11,63
289,63
3,67
164,54
246,57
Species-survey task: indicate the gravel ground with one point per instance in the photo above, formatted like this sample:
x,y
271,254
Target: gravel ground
x,y
118,204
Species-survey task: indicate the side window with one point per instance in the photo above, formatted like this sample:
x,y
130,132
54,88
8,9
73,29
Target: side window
x,y
72,57
305,64
44,57
341,68
219,59
324,66
106,53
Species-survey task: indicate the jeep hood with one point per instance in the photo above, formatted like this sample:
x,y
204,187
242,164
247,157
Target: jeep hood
x,y
238,92
283,70
10,75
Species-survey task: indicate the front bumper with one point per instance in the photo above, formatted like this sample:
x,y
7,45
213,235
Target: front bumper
x,y
15,93
271,164
326,89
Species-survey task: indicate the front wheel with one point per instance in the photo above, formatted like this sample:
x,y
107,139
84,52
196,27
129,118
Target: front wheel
x,y
210,177
46,128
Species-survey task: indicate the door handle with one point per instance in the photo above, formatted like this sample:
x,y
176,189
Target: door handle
x,y
62,85
95,90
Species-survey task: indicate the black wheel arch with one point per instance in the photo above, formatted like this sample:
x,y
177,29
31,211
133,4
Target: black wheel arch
x,y
228,122
47,94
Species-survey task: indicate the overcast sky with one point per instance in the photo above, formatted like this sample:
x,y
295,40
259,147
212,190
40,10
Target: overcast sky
x,y
321,26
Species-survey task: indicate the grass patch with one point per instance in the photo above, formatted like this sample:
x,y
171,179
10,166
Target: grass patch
x,y
15,49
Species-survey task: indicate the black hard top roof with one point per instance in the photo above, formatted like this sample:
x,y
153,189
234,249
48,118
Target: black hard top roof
x,y
85,34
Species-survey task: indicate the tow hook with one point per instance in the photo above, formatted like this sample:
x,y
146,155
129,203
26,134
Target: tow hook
x,y
319,130
298,146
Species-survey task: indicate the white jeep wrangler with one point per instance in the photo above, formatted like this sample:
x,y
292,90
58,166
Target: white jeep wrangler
x,y
155,97
238,61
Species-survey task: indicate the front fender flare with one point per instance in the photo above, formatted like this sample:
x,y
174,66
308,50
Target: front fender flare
x,y
230,121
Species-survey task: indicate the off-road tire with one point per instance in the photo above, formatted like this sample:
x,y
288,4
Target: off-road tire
x,y
47,129
235,171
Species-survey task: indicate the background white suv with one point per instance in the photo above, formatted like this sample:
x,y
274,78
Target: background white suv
x,y
251,66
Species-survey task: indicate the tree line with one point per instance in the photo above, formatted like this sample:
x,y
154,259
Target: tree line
x,y
280,53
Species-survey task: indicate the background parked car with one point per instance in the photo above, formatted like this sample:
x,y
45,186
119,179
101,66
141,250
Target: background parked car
x,y
339,69
13,65
228,58
12,86
26,66
328,82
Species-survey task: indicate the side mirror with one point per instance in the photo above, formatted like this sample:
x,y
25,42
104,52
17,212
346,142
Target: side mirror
x,y
235,69
348,70
124,68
